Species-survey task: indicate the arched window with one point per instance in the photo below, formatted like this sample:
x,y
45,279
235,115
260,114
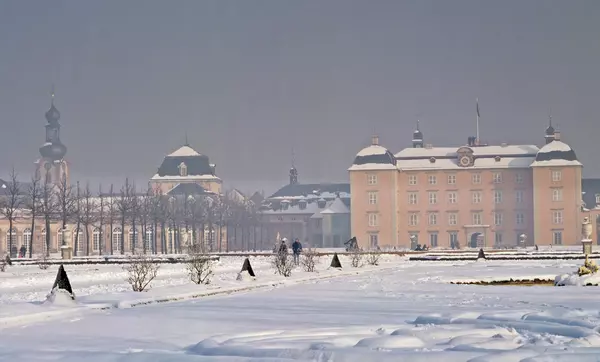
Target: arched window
x,y
27,239
133,238
96,239
149,236
78,235
59,238
170,240
183,169
12,232
117,237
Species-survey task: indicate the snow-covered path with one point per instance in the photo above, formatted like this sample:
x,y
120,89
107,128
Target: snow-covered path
x,y
369,317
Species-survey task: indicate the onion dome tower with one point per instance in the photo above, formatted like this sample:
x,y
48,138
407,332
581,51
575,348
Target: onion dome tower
x,y
52,167
417,137
550,131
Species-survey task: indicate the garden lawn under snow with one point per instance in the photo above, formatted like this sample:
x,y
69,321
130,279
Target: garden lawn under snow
x,y
409,312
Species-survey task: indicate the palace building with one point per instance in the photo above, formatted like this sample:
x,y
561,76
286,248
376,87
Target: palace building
x,y
476,195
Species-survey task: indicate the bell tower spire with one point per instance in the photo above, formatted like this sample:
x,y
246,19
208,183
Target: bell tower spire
x,y
293,170
52,167
550,131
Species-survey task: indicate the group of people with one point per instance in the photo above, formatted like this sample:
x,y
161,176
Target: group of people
x,y
282,249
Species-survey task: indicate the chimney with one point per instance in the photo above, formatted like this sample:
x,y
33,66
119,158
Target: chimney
x,y
557,135
375,140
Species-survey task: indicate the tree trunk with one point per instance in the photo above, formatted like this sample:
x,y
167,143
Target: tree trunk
x,y
32,232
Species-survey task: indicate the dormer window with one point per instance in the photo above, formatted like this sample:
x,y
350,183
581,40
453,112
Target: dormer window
x,y
183,169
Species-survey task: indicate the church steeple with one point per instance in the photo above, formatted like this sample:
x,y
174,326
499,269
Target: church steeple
x,y
550,131
417,137
52,166
293,171
53,149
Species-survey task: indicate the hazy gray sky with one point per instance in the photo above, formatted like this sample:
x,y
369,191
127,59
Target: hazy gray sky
x,y
249,80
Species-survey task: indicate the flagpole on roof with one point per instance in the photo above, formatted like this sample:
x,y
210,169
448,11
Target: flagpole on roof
x,y
477,126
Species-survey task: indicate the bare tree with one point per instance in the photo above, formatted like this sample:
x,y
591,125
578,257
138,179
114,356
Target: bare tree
x,y
10,203
124,207
141,270
48,209
282,263
88,214
199,265
67,204
135,215
145,217
356,258
100,218
373,258
34,194
78,216
309,260
111,210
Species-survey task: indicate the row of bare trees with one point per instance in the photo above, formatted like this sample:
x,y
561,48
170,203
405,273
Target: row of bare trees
x,y
164,223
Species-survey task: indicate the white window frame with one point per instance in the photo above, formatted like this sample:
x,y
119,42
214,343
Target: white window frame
x,y
413,198
115,238
519,196
433,218
79,240
557,237
432,179
556,175
498,196
452,197
497,177
477,218
96,239
433,240
432,197
372,197
452,179
498,218
452,218
371,179
519,178
373,219
520,218
557,195
557,217
412,180
374,240
413,219
476,179
476,197
498,238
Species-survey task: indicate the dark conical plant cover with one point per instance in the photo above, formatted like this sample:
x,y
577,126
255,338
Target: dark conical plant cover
x,y
335,262
247,267
481,254
62,280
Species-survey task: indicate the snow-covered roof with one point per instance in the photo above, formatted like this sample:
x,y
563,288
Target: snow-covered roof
x,y
373,150
157,177
184,151
336,207
478,163
373,167
500,150
556,154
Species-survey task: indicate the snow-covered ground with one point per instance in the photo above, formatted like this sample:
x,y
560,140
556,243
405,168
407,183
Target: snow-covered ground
x,y
399,311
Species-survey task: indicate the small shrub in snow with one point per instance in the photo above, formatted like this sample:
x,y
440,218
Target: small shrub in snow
x,y
2,265
43,263
589,267
199,265
141,270
309,260
356,258
283,264
373,258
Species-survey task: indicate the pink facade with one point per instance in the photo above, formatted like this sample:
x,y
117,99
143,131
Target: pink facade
x,y
475,195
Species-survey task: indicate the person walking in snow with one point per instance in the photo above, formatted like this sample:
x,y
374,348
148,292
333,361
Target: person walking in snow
x,y
283,249
296,250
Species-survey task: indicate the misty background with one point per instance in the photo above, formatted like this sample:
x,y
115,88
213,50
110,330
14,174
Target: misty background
x,y
249,81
